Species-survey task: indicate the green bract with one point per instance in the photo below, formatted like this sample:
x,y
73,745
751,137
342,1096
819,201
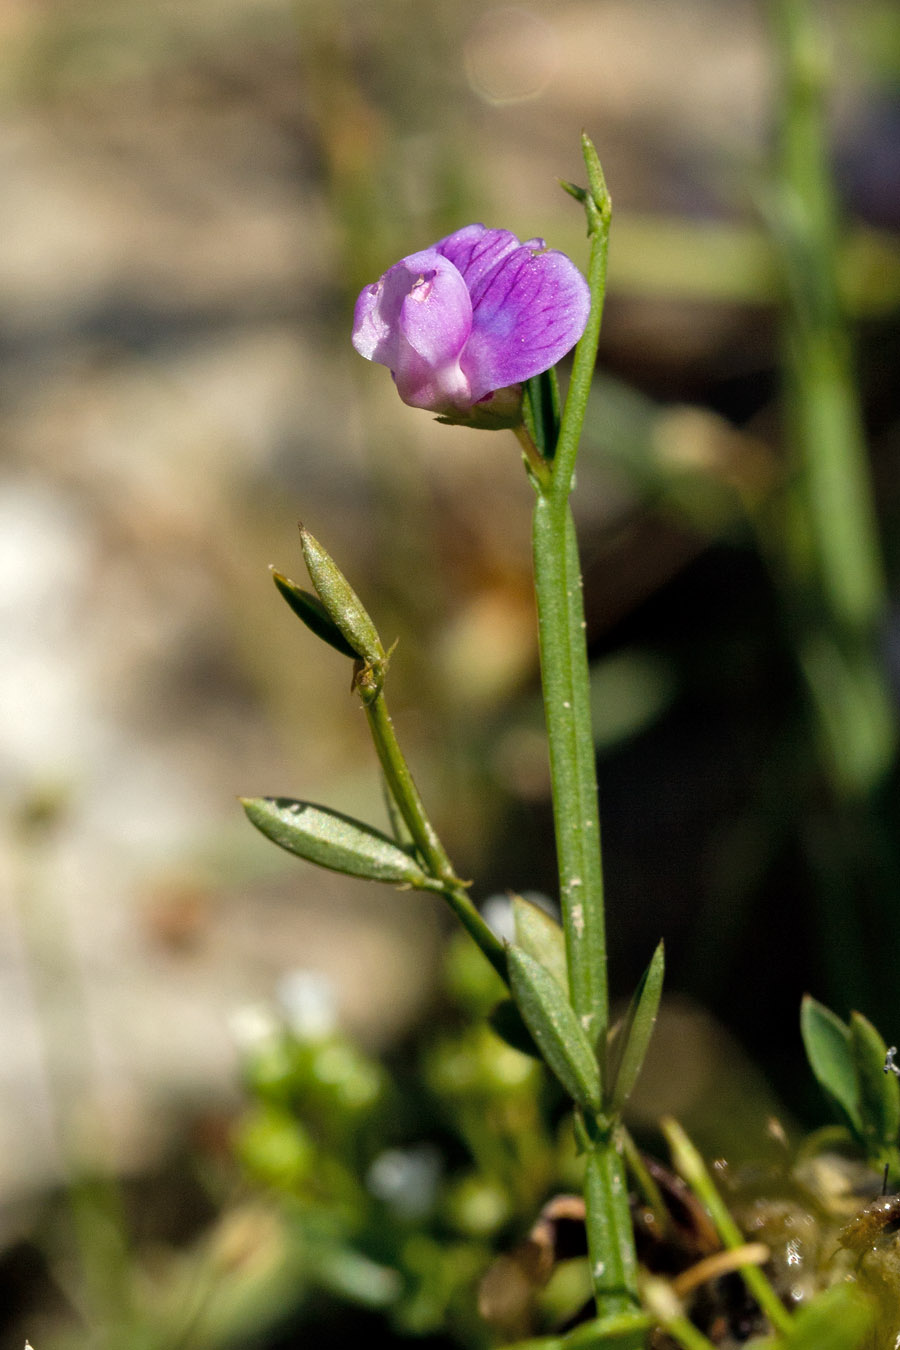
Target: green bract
x,y
342,605
633,1036
549,1017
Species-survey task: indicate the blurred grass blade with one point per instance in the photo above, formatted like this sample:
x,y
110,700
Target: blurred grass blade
x,y
690,1165
552,1022
633,1037
827,1042
335,841
310,610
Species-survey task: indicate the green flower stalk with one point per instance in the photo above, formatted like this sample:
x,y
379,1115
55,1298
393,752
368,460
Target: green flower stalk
x,y
459,326
470,330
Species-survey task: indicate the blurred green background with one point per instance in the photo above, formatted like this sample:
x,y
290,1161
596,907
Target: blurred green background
x,y
192,196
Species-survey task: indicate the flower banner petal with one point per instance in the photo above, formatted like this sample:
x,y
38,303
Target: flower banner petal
x,y
476,250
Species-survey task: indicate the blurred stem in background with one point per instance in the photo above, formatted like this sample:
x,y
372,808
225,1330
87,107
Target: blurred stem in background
x,y
826,541
386,128
833,533
98,1282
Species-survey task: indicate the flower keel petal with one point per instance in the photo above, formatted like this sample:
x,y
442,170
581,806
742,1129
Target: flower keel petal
x,y
416,320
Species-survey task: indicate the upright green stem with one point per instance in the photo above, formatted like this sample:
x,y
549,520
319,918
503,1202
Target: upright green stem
x,y
405,793
610,1236
566,680
564,661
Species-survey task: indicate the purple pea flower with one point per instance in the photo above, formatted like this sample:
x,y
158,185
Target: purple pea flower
x,y
462,324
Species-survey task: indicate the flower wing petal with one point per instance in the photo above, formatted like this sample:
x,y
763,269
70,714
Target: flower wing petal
x,y
527,312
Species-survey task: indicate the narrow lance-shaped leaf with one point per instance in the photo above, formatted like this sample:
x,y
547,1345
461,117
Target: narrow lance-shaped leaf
x,y
539,934
310,610
828,1048
553,1024
341,602
879,1092
633,1037
335,841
